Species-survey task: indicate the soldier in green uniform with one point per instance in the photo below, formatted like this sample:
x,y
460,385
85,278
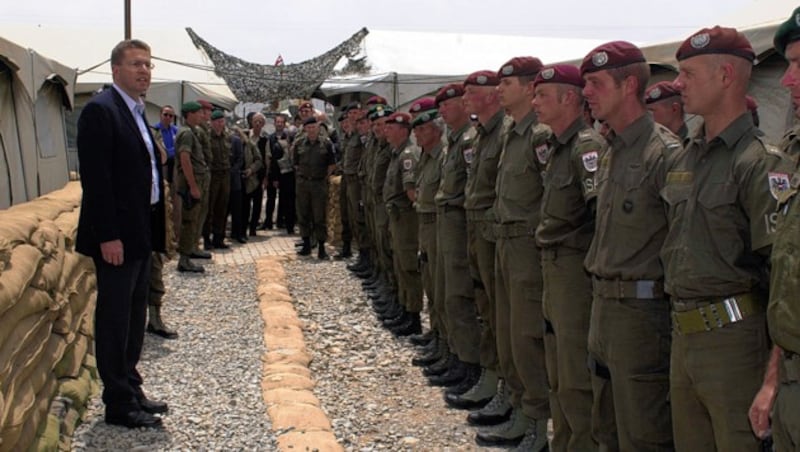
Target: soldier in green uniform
x,y
782,378
721,194
663,101
203,131
313,162
220,140
192,181
629,331
518,272
481,98
351,149
398,194
452,263
428,133
565,231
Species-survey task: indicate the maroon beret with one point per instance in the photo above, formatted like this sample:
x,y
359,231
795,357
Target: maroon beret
x,y
717,40
306,104
483,78
422,104
377,100
660,91
399,118
206,104
450,91
560,73
518,66
611,55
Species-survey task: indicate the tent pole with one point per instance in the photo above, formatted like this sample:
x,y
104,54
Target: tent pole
x,y
394,89
127,19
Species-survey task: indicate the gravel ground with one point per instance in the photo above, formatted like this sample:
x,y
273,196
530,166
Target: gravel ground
x,y
210,376
374,397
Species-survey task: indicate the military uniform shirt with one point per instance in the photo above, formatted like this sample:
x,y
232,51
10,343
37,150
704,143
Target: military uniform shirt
x,y
351,154
400,176
204,135
220,146
569,186
722,197
380,165
790,144
519,175
429,172
783,312
454,167
482,164
631,222
312,158
187,141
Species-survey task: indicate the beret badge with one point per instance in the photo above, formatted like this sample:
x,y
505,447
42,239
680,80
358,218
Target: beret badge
x,y
699,41
507,69
548,73
481,79
655,93
600,59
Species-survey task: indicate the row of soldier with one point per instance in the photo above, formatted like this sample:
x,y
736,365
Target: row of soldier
x,y
616,283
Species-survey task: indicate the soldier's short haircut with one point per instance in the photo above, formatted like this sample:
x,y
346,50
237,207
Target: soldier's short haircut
x,y
525,79
118,52
640,71
563,89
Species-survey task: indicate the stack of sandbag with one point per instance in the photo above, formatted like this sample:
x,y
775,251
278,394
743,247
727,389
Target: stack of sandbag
x,y
334,214
47,295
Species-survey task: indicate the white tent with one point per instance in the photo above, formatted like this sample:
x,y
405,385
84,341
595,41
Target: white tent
x,y
405,65
34,93
181,72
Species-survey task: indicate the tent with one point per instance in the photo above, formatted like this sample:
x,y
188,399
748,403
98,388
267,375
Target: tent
x,y
405,65
181,72
35,92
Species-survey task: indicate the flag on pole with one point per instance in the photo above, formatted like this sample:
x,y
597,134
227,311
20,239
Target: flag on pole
x,y
279,60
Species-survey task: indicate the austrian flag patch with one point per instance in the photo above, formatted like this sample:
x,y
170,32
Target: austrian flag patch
x,y
590,161
778,183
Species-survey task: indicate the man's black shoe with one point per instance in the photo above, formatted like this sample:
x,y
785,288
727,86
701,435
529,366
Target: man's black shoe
x,y
163,333
453,376
199,254
153,406
441,366
480,418
422,339
134,419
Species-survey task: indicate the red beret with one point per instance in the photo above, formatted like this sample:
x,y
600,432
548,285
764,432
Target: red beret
x,y
611,55
660,91
752,105
306,104
206,104
399,118
717,40
377,100
520,66
560,73
422,104
450,91
482,78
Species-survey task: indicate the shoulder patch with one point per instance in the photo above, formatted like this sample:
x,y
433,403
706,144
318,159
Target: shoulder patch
x,y
778,184
590,161
543,152
408,164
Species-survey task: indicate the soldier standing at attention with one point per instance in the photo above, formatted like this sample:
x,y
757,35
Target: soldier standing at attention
x,y
452,266
481,99
629,331
203,131
192,181
428,132
721,194
221,142
664,102
564,234
399,193
783,373
313,162
518,271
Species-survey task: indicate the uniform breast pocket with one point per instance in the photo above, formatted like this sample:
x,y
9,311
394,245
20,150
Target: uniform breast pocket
x,y
562,197
518,181
675,196
718,201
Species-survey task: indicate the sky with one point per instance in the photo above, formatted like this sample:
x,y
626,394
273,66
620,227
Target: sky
x,y
258,31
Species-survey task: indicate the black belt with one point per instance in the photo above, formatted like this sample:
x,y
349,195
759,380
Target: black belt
x,y
643,289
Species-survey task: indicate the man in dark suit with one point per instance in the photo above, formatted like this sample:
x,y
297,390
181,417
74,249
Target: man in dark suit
x,y
122,221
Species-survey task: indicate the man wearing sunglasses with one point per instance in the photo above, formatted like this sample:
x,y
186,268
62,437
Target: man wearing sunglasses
x,y
166,130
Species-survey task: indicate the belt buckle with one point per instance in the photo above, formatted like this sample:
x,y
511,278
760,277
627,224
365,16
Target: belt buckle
x,y
732,308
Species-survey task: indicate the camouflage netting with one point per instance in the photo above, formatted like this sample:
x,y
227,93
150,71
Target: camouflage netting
x,y
252,82
47,297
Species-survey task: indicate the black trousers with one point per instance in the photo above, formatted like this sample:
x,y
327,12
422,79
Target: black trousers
x,y
272,196
251,209
235,205
120,316
286,201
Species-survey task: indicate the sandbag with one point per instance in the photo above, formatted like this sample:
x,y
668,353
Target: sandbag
x,y
63,324
30,330
76,389
26,361
75,267
17,229
32,301
50,242
71,193
18,274
37,415
70,363
67,223
18,410
48,436
42,209
43,371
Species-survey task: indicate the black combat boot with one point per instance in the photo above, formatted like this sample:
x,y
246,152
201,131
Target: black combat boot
x,y
412,325
306,249
452,376
321,254
346,252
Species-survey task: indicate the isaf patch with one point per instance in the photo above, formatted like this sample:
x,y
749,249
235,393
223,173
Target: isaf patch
x,y
778,183
407,164
468,154
590,161
543,153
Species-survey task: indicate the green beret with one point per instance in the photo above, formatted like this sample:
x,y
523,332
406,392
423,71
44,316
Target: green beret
x,y
191,107
788,32
425,117
217,114
379,111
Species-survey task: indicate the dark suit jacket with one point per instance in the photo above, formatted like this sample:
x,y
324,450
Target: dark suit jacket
x,y
116,179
